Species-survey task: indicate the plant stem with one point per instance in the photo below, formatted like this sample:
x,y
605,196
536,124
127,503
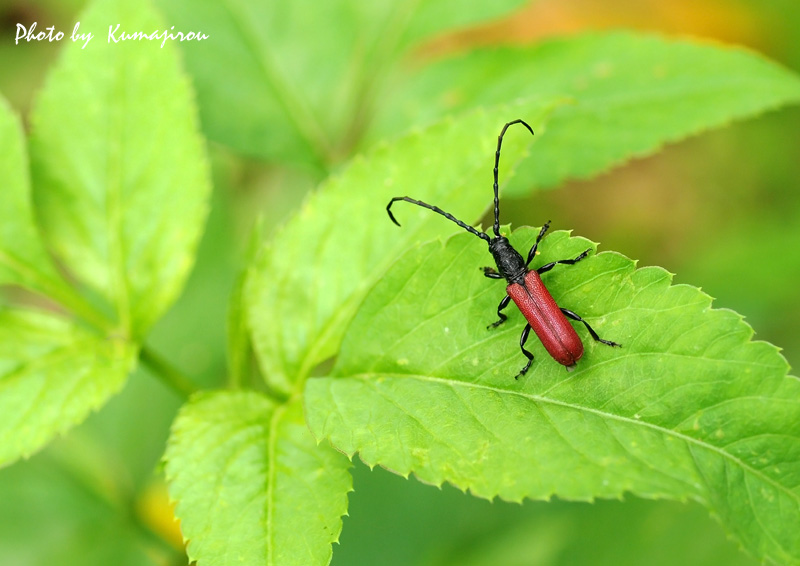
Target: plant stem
x,y
166,372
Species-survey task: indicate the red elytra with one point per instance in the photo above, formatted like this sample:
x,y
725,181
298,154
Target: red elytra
x,y
546,319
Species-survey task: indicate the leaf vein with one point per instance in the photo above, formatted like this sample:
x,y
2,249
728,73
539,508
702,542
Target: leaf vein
x,y
611,416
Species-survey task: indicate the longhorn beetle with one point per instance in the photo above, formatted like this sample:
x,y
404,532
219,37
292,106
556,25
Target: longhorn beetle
x,y
525,287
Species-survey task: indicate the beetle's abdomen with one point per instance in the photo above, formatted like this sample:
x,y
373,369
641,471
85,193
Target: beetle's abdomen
x,y
546,319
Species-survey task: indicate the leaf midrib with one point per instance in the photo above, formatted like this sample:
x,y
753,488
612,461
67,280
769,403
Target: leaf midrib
x,y
602,414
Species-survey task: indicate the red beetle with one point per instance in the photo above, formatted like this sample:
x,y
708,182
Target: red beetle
x,y
525,287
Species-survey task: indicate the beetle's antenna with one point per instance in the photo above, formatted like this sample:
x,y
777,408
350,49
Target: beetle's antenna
x,y
437,210
496,165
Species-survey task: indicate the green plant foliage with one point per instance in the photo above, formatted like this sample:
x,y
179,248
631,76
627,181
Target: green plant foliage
x,y
120,185
308,282
252,485
52,374
23,259
269,91
688,408
119,170
632,94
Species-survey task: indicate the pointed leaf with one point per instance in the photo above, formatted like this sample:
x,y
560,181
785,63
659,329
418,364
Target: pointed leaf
x,y
120,173
286,105
689,407
52,374
251,485
308,282
632,93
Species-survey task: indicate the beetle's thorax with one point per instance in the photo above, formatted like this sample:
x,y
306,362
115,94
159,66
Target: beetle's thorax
x,y
510,263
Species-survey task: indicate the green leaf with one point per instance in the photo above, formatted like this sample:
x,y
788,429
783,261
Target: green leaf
x,y
23,259
52,374
120,173
688,408
251,485
304,78
632,94
310,279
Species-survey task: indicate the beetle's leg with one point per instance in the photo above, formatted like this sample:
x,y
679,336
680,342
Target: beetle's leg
x,y
503,304
491,273
536,244
522,340
574,316
551,265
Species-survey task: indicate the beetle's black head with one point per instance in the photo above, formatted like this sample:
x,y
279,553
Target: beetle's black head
x,y
510,264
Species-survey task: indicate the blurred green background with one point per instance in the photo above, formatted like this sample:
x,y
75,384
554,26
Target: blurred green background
x,y
721,210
